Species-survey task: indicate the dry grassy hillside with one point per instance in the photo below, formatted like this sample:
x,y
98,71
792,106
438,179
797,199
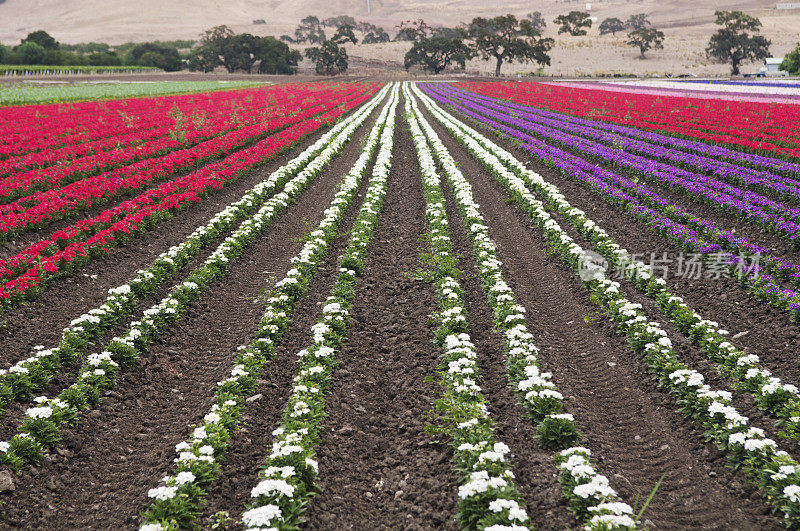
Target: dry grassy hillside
x,y
687,24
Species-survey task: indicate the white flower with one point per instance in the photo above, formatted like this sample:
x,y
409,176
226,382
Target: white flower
x,y
163,493
4,446
792,492
43,412
261,516
152,527
183,478
269,486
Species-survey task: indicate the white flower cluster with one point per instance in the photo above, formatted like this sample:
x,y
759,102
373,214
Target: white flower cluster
x,y
535,386
291,461
489,471
199,448
728,426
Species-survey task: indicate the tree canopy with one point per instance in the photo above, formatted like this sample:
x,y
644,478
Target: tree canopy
x,y
506,39
412,30
220,46
646,39
638,21
157,55
735,42
612,26
329,59
537,20
310,30
43,39
573,23
434,54
791,63
344,34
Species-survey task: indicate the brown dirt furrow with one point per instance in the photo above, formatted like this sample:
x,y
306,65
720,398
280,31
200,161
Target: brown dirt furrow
x,y
41,321
532,465
378,467
631,426
251,444
118,451
766,332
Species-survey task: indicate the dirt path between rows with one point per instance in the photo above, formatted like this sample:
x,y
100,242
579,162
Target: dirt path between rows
x,y
118,451
753,326
630,426
378,467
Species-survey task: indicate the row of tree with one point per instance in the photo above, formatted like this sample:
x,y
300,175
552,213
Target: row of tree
x,y
505,39
500,39
40,48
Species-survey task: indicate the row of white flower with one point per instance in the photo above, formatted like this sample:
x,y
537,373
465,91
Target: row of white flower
x,y
288,478
777,473
773,396
98,372
176,502
590,496
487,496
33,373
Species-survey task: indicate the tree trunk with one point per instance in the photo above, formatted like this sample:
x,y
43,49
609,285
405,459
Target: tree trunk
x,y
497,69
735,70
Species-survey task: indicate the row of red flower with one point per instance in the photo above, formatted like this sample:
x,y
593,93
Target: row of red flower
x,y
44,207
187,119
94,236
43,181
76,126
768,127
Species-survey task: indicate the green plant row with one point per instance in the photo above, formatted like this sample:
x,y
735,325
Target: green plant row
x,y
588,493
287,479
747,447
487,495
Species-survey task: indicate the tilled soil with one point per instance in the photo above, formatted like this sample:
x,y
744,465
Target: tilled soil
x,y
532,465
378,467
84,485
632,428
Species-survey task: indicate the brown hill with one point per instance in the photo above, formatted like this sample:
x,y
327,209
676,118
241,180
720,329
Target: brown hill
x,y
687,24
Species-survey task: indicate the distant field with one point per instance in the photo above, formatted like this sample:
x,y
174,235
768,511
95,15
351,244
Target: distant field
x,y
23,93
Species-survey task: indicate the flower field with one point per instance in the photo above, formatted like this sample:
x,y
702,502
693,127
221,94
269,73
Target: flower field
x,y
418,305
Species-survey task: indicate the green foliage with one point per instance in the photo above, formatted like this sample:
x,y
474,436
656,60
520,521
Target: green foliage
x,y
436,53
611,25
506,39
220,46
310,30
338,22
791,63
375,36
31,53
156,55
43,39
638,21
345,34
276,57
646,39
330,59
537,20
412,30
573,23
735,43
